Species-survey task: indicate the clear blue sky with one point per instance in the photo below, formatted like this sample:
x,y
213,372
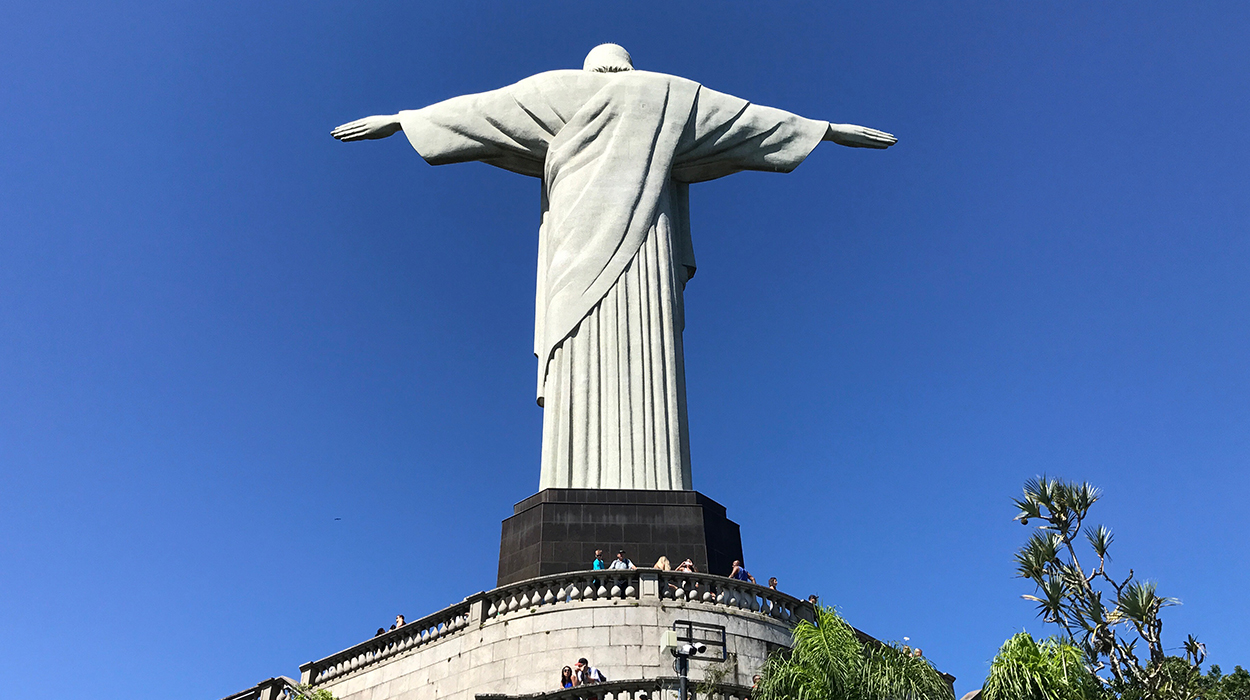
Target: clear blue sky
x,y
220,329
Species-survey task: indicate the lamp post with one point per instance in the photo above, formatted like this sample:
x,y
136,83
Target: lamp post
x,y
681,664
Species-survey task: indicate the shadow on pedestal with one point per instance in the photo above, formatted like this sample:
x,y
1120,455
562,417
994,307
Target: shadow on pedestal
x,y
558,530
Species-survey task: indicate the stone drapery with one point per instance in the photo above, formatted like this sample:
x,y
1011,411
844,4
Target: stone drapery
x,y
616,152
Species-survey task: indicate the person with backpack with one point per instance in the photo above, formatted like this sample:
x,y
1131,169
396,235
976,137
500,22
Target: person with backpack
x,y
587,674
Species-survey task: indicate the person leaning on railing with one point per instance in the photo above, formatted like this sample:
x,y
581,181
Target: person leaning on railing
x,y
740,573
622,562
587,674
567,678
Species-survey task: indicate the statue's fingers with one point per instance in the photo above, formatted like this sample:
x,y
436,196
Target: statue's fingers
x,y
353,124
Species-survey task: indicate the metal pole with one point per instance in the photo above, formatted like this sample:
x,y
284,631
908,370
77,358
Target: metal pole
x,y
683,668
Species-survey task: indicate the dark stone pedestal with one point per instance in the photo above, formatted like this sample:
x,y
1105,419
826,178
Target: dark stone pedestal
x,y
558,530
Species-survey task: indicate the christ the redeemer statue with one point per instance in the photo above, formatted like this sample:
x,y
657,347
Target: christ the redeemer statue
x,y
616,150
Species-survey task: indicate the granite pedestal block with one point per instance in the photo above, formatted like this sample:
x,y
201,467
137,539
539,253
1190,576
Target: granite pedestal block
x,y
558,530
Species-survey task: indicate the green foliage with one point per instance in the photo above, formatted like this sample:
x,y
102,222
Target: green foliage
x,y
306,692
1052,669
828,662
1182,681
1107,618
1235,686
1179,680
715,674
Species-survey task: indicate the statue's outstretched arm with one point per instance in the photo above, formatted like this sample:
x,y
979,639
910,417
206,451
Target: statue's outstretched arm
x,y
375,127
853,136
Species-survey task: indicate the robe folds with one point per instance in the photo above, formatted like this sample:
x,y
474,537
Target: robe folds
x,y
616,153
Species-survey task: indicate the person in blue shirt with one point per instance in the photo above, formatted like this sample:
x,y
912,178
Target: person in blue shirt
x,y
599,563
740,573
567,679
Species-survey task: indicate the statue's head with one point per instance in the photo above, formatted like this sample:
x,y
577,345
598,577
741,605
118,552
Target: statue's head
x,y
608,58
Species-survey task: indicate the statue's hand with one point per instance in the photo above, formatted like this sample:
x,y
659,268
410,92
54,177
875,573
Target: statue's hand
x,y
859,136
375,127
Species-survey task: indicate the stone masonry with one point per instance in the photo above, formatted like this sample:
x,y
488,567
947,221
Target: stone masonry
x,y
520,648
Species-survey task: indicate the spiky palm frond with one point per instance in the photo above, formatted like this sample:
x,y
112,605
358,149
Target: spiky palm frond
x,y
1038,555
1025,669
1081,498
828,662
1073,577
1195,650
890,673
781,678
1139,603
1041,491
1028,509
830,648
1052,605
1100,540
821,664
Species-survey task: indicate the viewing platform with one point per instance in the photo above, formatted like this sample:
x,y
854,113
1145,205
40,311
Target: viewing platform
x,y
514,640
634,689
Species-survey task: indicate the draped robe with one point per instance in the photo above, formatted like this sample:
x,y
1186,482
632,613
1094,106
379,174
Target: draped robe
x,y
616,153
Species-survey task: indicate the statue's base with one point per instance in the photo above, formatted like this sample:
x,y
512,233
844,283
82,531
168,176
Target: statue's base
x,y
558,530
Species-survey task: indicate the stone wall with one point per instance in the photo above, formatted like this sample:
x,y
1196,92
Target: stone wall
x,y
528,631
558,530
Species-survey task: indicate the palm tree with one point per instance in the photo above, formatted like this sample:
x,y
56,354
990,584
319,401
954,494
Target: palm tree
x,y
828,662
1025,669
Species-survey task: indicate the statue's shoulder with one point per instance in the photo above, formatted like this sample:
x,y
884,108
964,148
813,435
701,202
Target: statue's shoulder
x,y
565,77
557,77
672,79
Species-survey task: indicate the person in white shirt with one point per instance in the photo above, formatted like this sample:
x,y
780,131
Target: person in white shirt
x,y
587,674
622,562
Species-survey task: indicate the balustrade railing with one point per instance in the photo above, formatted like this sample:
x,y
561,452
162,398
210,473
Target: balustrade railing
x,y
718,590
639,689
417,633
612,584
272,689
539,594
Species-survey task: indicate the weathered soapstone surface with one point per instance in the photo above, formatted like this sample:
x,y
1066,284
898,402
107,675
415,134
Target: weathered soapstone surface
x,y
617,150
558,530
